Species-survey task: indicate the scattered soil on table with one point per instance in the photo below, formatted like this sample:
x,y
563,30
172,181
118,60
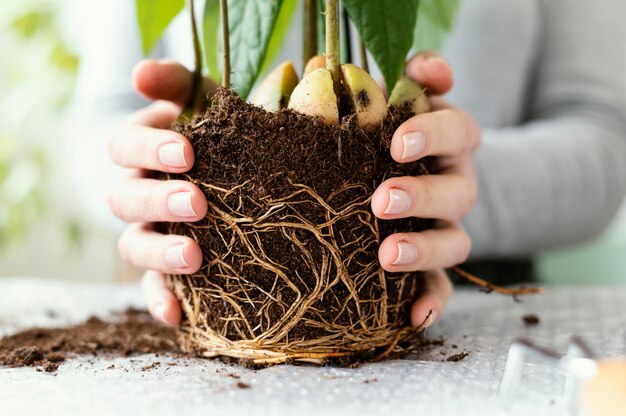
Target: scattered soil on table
x,y
151,366
242,385
135,332
128,333
457,357
531,320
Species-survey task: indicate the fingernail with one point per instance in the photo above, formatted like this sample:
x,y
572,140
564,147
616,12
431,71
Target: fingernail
x,y
435,58
172,155
159,311
407,254
174,256
432,318
413,144
179,204
438,59
399,202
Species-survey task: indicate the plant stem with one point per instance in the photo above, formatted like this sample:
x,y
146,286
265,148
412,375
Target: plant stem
x,y
225,44
364,64
309,31
347,36
332,42
193,105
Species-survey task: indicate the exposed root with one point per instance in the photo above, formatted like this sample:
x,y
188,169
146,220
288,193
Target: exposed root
x,y
262,318
489,287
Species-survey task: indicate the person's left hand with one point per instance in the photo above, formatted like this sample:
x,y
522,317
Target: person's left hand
x,y
452,136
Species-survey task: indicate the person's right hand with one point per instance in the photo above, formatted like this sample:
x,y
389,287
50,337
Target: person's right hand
x,y
145,144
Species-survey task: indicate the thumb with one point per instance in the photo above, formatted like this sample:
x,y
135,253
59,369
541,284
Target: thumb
x,y
163,80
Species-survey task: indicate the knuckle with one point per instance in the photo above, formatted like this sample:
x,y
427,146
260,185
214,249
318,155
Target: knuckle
x,y
467,196
122,247
466,247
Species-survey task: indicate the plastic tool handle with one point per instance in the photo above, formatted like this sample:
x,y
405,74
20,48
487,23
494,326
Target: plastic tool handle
x,y
605,393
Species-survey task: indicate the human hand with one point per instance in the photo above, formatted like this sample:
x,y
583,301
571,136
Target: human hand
x,y
145,144
451,135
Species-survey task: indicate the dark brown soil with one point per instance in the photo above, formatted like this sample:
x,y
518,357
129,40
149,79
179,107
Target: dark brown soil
x,y
250,157
131,332
457,357
531,320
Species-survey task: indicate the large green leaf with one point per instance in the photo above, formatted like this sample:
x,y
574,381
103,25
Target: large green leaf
x,y
281,28
153,17
251,24
386,28
210,37
434,23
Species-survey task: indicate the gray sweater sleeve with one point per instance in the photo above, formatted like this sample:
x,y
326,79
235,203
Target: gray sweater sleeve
x,y
560,176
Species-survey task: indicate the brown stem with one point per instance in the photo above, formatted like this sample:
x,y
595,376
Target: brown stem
x,y
332,42
363,51
494,288
193,106
225,44
309,31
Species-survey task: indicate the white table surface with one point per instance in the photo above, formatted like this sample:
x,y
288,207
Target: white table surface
x,y
481,324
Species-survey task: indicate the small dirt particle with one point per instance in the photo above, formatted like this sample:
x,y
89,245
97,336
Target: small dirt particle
x,y
151,366
457,357
531,320
242,385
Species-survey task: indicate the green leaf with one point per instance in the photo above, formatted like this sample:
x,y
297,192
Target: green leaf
x,y
434,23
153,17
210,37
251,24
281,28
386,28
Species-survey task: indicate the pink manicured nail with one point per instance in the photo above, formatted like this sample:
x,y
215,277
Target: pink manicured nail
x,y
414,143
172,155
407,254
432,318
179,204
159,311
174,256
399,202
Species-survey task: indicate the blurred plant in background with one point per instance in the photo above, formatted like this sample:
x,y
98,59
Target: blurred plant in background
x,y
36,86
43,231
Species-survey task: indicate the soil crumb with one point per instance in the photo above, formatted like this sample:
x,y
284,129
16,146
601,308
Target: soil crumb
x,y
531,320
457,357
127,333
151,366
242,385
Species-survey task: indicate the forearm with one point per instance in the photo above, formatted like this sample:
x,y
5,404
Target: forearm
x,y
549,183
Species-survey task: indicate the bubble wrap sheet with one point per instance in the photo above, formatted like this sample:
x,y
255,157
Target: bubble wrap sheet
x,y
475,322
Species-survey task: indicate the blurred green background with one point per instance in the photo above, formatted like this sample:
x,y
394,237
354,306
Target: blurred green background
x,y
42,230
43,234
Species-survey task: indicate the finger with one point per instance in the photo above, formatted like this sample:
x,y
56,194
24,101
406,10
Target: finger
x,y
170,254
134,146
163,80
427,250
152,200
446,133
431,71
432,302
447,197
159,114
162,303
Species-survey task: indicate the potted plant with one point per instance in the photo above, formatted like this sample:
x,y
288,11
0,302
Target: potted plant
x,y
290,268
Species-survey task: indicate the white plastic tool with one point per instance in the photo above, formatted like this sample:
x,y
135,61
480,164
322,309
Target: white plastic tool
x,y
593,387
